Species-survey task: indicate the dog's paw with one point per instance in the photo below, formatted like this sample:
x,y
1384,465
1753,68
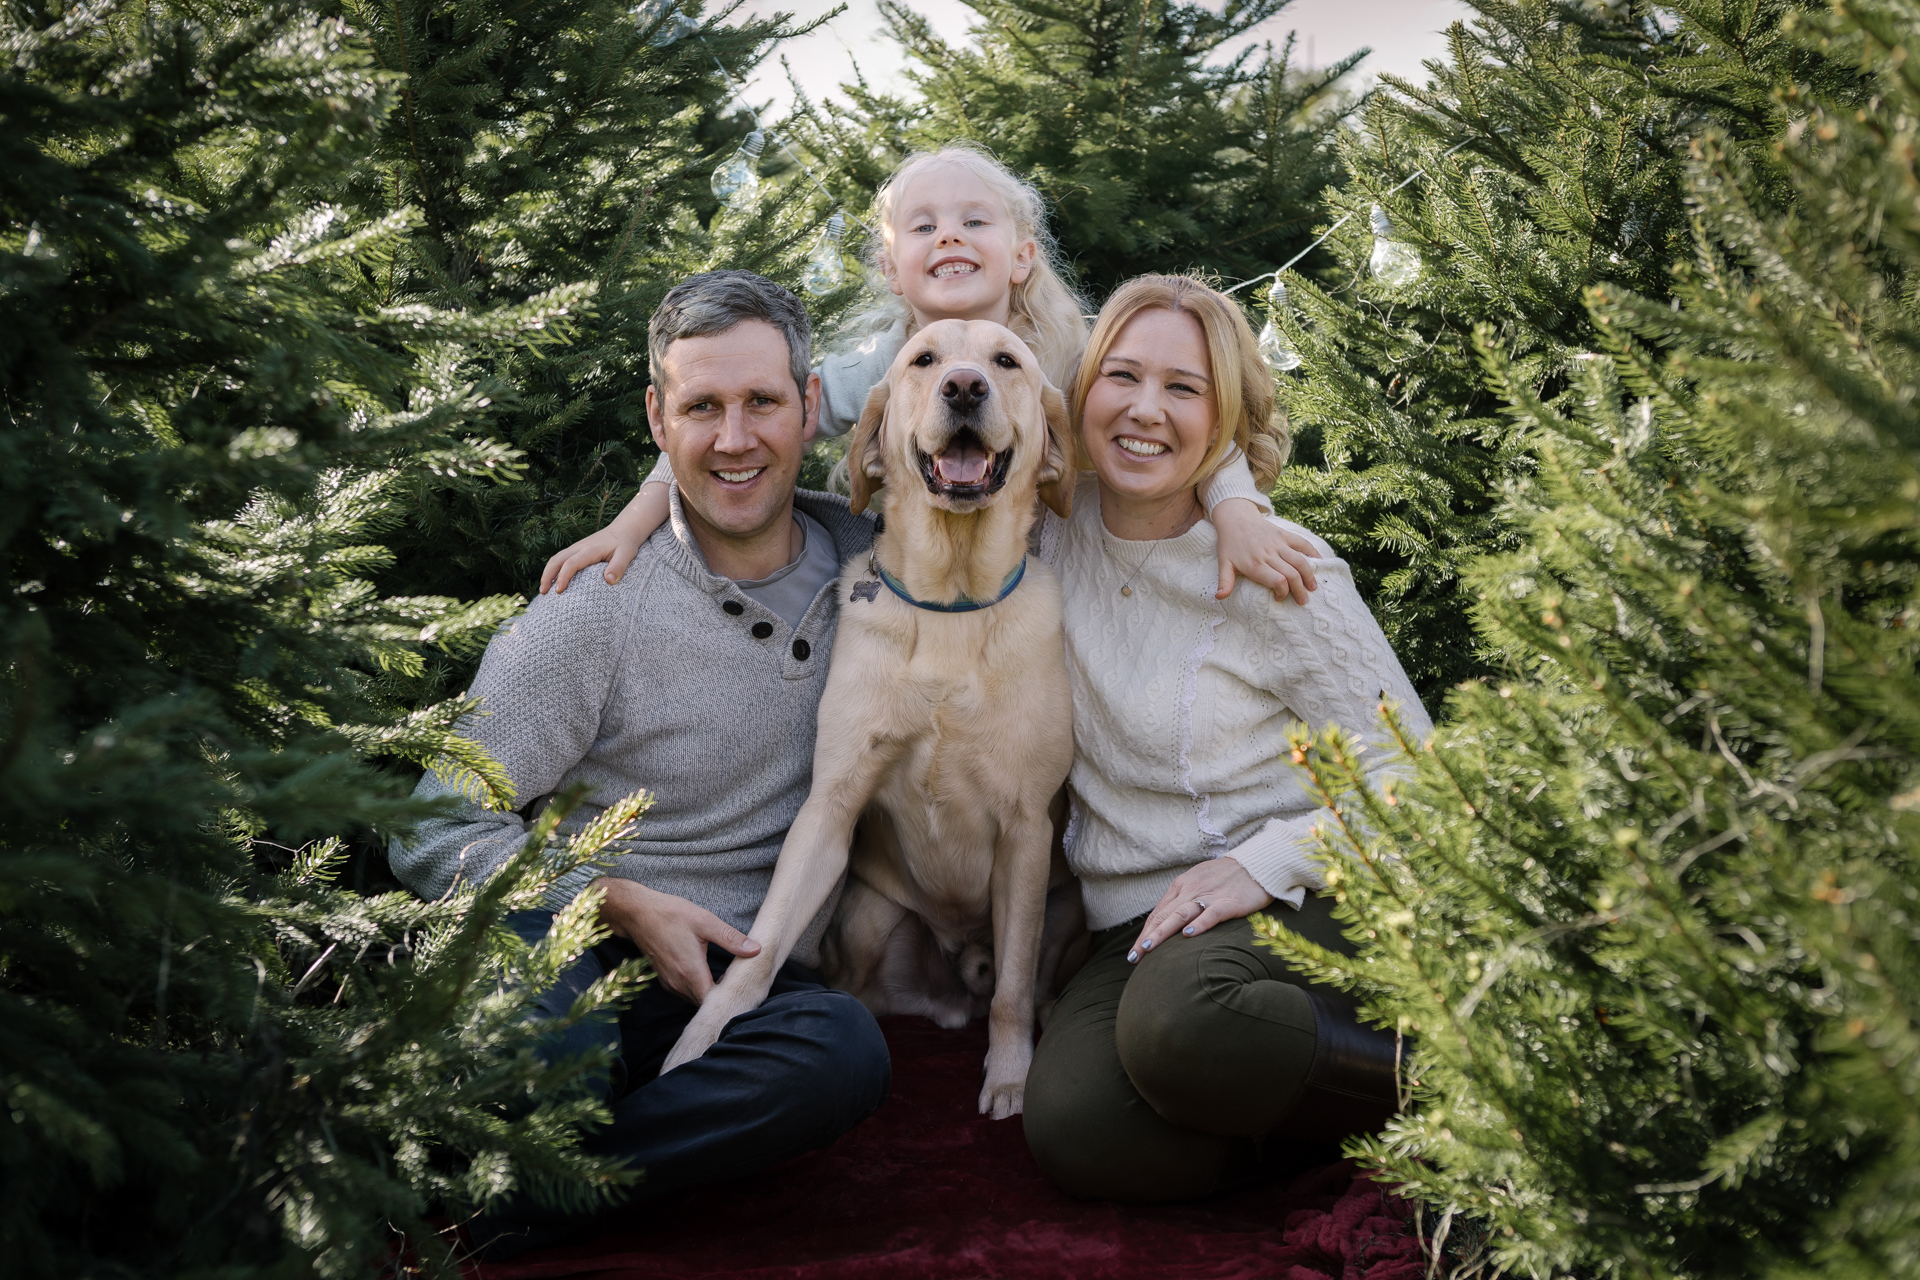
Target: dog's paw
x,y
1005,1093
1005,1099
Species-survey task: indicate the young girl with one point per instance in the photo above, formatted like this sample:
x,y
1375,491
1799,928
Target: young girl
x,y
961,238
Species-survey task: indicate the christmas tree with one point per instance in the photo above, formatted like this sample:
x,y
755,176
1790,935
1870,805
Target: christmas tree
x,y
559,144
216,1060
1551,143
1153,156
1651,926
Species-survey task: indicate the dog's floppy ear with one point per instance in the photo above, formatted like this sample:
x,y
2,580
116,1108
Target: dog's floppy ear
x,y
866,466
1056,469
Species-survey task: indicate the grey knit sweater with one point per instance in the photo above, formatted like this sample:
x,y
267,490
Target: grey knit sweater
x,y
674,681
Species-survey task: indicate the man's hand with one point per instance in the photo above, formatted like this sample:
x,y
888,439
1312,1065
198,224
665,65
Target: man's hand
x,y
672,932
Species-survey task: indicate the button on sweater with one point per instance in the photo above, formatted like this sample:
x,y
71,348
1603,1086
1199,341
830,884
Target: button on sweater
x,y
676,682
1182,703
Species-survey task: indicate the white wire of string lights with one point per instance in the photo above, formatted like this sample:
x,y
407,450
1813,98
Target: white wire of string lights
x,y
737,178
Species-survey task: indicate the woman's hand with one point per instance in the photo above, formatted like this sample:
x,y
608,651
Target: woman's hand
x,y
1198,899
1254,547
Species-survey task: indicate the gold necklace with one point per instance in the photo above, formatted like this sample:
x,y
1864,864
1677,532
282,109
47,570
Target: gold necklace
x,y
1126,588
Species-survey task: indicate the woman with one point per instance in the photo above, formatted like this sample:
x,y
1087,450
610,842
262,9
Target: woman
x,y
1183,1047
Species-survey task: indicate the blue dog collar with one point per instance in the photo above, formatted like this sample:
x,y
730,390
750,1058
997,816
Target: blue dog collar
x,y
962,605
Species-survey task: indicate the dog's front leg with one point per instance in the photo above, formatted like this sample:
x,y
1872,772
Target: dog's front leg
x,y
810,865
846,770
1020,860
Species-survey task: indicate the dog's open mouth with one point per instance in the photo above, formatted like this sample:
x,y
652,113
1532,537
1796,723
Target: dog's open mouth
x,y
965,468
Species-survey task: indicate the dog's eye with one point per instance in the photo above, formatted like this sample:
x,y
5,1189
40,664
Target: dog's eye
x,y
922,360
1006,361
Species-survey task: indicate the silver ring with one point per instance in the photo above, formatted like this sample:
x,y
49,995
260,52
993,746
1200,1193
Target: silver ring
x,y
1202,902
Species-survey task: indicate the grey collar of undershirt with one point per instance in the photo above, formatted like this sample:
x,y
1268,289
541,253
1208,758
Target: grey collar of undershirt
x,y
799,518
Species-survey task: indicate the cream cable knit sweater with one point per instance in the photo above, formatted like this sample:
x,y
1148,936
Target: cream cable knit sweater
x,y
1181,705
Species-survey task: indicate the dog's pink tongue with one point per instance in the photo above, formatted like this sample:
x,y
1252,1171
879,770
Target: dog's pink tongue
x,y
961,465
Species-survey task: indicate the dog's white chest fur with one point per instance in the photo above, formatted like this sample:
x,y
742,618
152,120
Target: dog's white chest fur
x,y
971,719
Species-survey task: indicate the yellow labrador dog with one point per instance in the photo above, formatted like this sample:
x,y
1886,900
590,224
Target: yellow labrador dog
x,y
946,715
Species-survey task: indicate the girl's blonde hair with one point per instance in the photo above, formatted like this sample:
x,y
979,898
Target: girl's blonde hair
x,y
1044,311
1242,383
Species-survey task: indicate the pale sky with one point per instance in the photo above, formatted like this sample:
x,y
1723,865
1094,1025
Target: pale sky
x,y
1401,33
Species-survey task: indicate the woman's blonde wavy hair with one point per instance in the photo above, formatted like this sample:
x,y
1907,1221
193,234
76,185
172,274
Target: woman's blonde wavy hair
x,y
1046,313
1242,382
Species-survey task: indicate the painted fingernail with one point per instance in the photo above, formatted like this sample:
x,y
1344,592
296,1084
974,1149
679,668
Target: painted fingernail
x,y
1147,945
1133,956
1188,931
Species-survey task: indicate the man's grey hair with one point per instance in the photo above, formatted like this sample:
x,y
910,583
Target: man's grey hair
x,y
715,301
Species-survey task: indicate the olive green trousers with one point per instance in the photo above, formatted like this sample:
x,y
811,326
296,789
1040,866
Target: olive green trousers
x,y
1175,1077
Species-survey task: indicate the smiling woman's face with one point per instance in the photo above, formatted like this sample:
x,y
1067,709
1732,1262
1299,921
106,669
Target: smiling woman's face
x,y
954,253
1151,416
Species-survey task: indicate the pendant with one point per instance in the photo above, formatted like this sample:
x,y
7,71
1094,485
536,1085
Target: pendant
x,y
1126,591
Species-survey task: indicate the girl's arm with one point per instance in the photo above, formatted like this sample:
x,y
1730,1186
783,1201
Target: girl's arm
x,y
620,541
1250,545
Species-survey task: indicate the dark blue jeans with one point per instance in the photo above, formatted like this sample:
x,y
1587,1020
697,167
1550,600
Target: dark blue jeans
x,y
785,1078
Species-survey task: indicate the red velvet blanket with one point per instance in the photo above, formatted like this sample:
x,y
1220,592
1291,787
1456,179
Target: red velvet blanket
x,y
926,1188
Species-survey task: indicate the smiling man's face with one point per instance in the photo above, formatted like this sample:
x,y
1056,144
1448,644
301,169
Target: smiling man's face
x,y
725,409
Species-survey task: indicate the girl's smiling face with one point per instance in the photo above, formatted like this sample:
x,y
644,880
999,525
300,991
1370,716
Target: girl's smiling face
x,y
954,252
1149,421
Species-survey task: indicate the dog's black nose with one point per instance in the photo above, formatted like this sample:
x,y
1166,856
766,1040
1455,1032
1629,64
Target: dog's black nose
x,y
964,390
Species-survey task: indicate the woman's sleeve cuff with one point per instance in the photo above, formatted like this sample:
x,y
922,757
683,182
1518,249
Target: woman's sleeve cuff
x,y
1281,859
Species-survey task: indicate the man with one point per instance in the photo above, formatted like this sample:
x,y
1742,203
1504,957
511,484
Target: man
x,y
698,678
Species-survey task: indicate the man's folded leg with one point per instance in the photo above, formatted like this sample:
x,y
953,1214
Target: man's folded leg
x,y
785,1078
553,1004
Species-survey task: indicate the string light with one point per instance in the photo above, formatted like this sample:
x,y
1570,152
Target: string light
x,y
1395,263
676,27
1344,219
825,271
1273,344
737,177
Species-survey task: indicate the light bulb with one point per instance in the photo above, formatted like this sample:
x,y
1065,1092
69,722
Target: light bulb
x,y
1394,264
674,26
825,272
734,181
1273,344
